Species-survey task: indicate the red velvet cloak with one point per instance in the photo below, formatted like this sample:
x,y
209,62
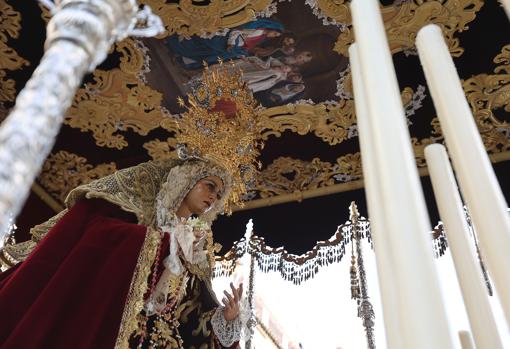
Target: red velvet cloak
x,y
71,292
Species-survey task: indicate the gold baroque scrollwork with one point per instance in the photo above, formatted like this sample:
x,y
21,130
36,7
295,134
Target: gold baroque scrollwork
x,y
337,10
419,149
287,175
331,122
189,17
118,101
161,150
328,121
10,27
487,93
402,22
64,171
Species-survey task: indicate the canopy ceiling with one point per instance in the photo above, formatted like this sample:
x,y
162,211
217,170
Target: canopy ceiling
x,y
125,111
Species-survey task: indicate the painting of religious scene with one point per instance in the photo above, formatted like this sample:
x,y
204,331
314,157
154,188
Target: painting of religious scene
x,y
285,58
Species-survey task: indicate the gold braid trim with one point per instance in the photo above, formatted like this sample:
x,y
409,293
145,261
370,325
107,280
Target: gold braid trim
x,y
10,255
138,287
40,230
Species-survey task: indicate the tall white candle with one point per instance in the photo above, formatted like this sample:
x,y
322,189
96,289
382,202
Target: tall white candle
x,y
383,253
465,340
477,180
406,221
451,210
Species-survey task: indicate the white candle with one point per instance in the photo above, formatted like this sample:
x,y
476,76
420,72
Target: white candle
x,y
385,264
506,5
451,210
477,180
406,221
383,253
466,341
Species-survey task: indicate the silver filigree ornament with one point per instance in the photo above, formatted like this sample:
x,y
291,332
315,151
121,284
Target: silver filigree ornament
x,y
201,93
244,150
240,150
184,153
78,39
203,128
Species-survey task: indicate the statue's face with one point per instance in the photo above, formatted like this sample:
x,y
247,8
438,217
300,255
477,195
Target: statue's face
x,y
203,195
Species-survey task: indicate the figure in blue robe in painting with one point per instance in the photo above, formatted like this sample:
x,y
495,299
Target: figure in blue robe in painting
x,y
239,42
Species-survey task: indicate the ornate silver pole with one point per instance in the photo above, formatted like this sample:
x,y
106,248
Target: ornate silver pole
x,y
78,38
252,322
365,309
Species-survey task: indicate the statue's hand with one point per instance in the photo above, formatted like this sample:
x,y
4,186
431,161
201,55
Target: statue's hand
x,y
231,302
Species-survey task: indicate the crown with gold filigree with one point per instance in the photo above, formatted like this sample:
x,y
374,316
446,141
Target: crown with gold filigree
x,y
221,124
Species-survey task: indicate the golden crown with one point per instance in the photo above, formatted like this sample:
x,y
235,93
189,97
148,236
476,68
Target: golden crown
x,y
221,124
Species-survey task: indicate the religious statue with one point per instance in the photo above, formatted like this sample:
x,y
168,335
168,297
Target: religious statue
x,y
128,264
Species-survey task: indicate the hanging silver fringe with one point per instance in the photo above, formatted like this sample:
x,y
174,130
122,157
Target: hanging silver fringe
x,y
226,264
294,268
439,242
298,269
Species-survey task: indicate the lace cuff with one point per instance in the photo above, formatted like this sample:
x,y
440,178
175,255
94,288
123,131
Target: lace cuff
x,y
227,332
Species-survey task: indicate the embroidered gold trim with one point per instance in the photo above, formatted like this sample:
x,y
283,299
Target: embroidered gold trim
x,y
134,301
132,189
39,231
11,255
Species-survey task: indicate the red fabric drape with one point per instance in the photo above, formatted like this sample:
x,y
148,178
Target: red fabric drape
x,y
70,293
251,42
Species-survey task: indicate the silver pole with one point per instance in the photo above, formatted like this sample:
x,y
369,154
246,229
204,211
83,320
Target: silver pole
x,y
78,38
365,309
252,321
